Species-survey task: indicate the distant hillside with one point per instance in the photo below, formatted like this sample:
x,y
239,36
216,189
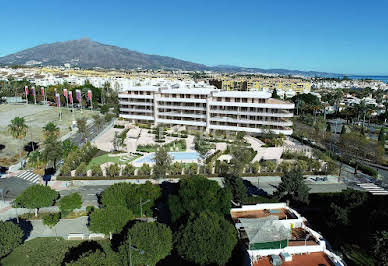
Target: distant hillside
x,y
86,53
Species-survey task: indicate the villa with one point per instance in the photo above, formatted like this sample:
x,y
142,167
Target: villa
x,y
275,234
205,107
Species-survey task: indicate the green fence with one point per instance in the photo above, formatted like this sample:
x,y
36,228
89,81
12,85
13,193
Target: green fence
x,y
269,245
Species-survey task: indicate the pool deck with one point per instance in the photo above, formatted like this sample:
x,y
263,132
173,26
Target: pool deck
x,y
140,161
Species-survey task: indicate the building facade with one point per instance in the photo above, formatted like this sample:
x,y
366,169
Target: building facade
x,y
207,108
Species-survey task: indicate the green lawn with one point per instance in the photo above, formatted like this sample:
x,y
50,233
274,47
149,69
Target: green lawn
x,y
49,251
105,158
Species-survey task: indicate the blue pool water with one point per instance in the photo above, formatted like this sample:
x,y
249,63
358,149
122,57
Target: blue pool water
x,y
177,156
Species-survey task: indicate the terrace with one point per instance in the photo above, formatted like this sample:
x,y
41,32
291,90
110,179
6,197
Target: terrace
x,y
314,258
282,214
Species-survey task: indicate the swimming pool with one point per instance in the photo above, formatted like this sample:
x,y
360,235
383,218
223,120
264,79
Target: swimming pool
x,y
176,156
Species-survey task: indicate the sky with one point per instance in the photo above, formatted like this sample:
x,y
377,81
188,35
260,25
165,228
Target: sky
x,y
342,36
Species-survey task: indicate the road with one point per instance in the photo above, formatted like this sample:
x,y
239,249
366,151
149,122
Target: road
x,y
88,193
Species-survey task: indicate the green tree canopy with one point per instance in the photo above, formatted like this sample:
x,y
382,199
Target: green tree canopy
x,y
18,128
197,194
129,195
10,237
51,219
35,197
162,161
293,187
380,247
381,138
154,239
110,220
52,149
70,202
206,239
82,127
50,129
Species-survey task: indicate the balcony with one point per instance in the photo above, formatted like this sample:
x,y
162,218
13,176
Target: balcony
x,y
137,117
268,114
136,103
179,107
247,121
182,115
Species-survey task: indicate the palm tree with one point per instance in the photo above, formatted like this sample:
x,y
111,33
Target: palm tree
x,y
50,129
18,129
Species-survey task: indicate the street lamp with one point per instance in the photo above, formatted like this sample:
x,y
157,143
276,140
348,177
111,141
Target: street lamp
x,y
141,252
141,206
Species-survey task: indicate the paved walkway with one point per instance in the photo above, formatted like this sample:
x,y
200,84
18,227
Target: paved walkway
x,y
63,228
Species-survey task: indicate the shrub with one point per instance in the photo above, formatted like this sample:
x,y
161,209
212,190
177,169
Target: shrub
x,y
81,169
129,170
90,209
96,170
145,169
65,170
113,170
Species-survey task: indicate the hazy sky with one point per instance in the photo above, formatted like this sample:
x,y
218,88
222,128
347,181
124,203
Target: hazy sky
x,y
340,36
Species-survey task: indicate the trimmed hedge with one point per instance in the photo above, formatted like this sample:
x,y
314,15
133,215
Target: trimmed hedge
x,y
69,178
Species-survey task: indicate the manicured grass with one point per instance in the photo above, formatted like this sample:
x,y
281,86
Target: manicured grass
x,y
106,158
48,251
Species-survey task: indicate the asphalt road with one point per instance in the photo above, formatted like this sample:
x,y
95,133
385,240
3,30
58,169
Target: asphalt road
x,y
88,193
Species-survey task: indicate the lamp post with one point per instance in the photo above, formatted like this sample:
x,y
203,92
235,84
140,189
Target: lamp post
x,y
141,252
141,206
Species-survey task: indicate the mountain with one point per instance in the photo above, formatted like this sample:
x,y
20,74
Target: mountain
x,y
86,53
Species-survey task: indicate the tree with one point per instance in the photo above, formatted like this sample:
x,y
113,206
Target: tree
x,y
275,94
196,194
91,258
68,147
130,195
145,169
50,129
10,237
98,121
81,169
241,156
206,239
129,170
236,185
104,109
35,197
52,150
82,128
154,239
70,202
270,166
381,138
18,129
380,247
110,220
112,170
96,170
51,220
162,161
201,146
293,187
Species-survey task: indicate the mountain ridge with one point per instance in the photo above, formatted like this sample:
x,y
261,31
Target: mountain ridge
x,y
86,53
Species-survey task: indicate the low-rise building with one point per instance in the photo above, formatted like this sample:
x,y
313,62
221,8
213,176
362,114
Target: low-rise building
x,y
274,233
206,108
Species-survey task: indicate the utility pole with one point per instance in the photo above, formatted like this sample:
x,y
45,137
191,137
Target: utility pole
x,y
141,206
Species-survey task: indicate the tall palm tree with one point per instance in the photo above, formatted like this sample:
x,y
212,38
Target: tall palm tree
x,y
50,129
18,129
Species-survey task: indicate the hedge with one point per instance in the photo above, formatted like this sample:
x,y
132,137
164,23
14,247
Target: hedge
x,y
69,178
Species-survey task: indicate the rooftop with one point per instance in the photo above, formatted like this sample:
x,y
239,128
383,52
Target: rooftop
x,y
314,258
282,214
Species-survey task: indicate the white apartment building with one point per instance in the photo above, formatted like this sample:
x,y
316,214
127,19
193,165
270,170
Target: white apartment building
x,y
206,108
